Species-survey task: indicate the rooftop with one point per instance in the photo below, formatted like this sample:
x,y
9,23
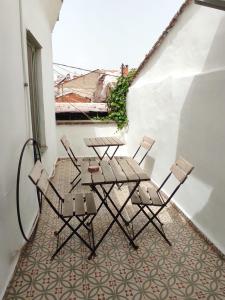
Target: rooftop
x,y
191,269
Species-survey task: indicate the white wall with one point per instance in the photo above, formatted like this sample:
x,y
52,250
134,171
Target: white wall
x,y
15,125
75,133
178,98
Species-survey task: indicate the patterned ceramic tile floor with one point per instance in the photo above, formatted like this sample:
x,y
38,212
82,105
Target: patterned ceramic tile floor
x,y
190,269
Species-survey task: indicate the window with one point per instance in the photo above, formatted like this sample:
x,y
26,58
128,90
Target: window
x,y
219,4
35,88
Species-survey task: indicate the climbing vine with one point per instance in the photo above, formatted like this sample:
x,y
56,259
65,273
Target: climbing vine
x,y
117,100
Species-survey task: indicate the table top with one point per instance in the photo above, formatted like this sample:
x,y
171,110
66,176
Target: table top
x,y
103,142
117,170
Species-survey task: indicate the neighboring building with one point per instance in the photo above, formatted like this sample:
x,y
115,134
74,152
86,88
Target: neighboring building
x,y
179,88
94,85
27,109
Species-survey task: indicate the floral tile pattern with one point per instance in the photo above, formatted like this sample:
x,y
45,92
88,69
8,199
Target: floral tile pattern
x,y
190,269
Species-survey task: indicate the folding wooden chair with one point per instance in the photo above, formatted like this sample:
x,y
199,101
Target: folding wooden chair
x,y
75,160
145,144
144,148
81,206
147,198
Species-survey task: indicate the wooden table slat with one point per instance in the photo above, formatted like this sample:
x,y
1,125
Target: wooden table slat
x,y
115,170
118,172
94,141
87,142
103,141
107,172
135,166
85,174
129,172
97,177
117,141
112,141
106,141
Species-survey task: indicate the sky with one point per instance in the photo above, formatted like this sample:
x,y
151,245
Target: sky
x,y
103,34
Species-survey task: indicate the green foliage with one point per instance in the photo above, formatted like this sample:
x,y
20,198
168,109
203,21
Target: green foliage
x,y
117,100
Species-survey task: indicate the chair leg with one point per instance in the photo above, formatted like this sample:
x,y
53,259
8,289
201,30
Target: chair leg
x,y
74,231
64,225
93,238
151,220
85,225
75,179
155,217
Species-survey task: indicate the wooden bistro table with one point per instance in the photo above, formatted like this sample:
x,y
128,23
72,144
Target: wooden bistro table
x,y
112,172
107,142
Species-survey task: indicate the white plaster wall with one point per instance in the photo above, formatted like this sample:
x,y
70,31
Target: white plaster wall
x,y
15,126
178,98
75,133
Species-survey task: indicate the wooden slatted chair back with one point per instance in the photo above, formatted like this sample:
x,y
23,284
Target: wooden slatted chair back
x,y
147,142
36,171
39,177
69,151
181,169
184,165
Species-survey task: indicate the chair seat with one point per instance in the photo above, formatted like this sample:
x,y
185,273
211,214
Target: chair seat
x,y
148,196
79,205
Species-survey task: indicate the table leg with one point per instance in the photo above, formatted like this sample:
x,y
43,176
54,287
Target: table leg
x,y
97,153
115,217
102,202
113,204
105,153
114,153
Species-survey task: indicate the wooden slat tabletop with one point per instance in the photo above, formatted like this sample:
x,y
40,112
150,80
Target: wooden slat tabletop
x,y
103,142
86,176
97,177
127,169
108,173
138,170
116,170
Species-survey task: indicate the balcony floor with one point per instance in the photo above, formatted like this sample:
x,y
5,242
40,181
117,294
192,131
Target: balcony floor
x,y
190,269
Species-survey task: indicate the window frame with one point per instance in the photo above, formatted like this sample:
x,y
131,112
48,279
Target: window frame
x,y
34,67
